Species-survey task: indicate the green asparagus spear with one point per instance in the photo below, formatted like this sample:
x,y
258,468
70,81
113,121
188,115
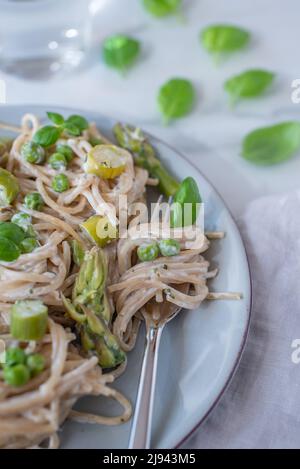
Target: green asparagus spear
x,y
77,252
134,140
91,311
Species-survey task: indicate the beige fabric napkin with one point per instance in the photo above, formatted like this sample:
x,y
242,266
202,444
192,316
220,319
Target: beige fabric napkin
x,y
261,408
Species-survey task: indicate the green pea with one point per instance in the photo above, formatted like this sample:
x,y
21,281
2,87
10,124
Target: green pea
x,y
36,363
169,247
148,252
33,153
28,245
11,232
34,201
9,188
9,251
60,183
23,220
15,356
58,161
66,151
16,375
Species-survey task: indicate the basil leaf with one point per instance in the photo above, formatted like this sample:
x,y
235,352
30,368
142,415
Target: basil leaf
x,y
72,129
185,208
224,38
176,98
271,145
120,51
162,8
56,118
77,121
248,84
12,232
47,136
9,251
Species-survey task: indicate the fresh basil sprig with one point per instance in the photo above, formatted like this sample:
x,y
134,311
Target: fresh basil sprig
x,y
49,134
161,8
224,39
271,145
56,118
77,121
176,98
248,84
120,52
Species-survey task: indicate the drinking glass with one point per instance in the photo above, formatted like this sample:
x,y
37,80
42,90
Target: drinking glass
x,y
39,38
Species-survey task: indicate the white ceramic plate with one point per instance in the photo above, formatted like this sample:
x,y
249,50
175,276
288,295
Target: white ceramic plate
x,y
200,349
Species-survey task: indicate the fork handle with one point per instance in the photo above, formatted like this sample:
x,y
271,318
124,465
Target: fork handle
x,y
140,434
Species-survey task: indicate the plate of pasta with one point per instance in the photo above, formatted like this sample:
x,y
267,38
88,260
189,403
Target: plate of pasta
x,y
95,236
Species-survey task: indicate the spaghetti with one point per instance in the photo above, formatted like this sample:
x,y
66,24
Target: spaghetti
x,y
31,415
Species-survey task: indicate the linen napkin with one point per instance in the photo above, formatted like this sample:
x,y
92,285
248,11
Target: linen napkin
x,y
261,407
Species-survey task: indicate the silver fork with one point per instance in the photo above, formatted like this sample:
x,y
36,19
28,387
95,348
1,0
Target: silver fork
x,y
140,435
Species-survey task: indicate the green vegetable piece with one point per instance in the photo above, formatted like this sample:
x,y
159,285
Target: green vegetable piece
x,y
105,344
109,352
11,232
15,356
184,210
148,252
130,138
36,364
17,375
120,51
72,311
24,221
91,310
66,151
161,8
77,121
9,251
272,145
58,161
134,140
176,99
28,320
222,38
33,153
34,201
60,183
169,247
167,184
28,245
56,118
47,135
78,252
94,141
248,84
91,278
9,188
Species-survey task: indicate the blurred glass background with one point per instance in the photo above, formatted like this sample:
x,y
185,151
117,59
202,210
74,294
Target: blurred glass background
x,y
39,38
